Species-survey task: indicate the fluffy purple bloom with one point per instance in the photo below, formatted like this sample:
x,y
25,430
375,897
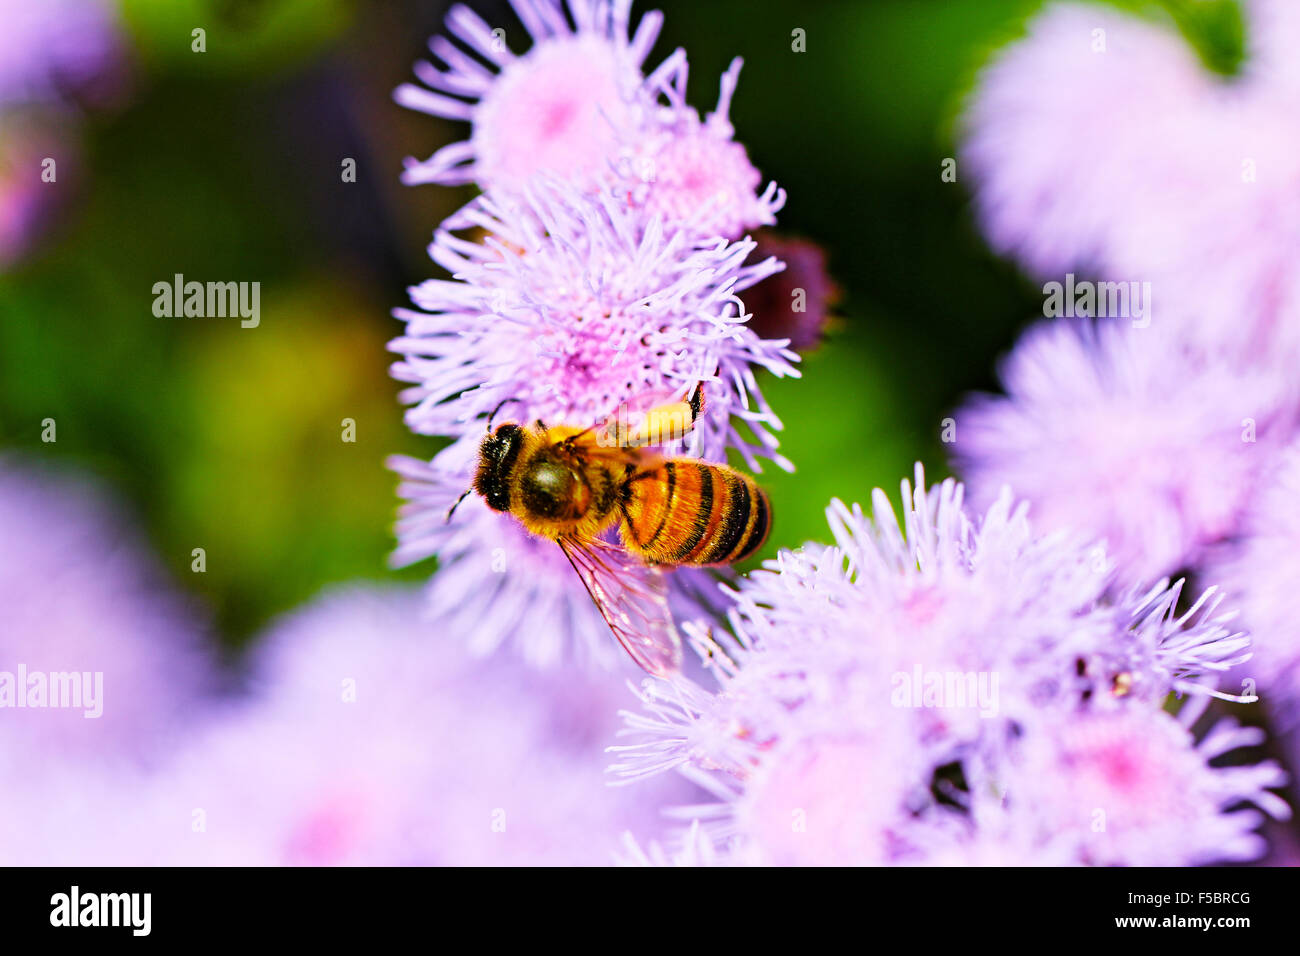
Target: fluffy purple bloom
x,y
1132,787
90,623
556,109
1046,194
694,848
1183,180
598,276
577,107
1121,433
934,655
570,309
571,306
366,740
1260,571
689,172
60,50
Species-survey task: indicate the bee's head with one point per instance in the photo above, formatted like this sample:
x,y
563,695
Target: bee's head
x,y
496,458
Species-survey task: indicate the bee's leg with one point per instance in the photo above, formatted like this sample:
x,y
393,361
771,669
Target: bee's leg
x,y
667,423
569,442
456,504
696,402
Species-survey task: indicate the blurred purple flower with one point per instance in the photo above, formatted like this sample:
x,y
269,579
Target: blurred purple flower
x,y
55,56
62,809
1053,198
57,51
1131,787
88,617
369,741
1260,570
1184,180
26,201
919,659
796,303
1272,30
694,849
1122,434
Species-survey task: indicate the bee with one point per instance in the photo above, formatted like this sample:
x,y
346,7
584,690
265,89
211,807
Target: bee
x,y
575,485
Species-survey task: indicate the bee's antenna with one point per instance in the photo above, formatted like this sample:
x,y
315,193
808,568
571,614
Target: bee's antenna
x,y
500,405
456,504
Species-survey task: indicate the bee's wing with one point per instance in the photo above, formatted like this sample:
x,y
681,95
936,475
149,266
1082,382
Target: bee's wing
x,y
633,599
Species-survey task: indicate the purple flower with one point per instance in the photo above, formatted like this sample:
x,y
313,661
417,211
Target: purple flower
x,y
60,50
62,809
102,672
26,203
927,657
367,740
1183,180
572,306
1120,433
99,657
558,108
577,107
599,275
1132,787
1053,198
571,309
1270,58
691,173
797,302
54,56
1260,571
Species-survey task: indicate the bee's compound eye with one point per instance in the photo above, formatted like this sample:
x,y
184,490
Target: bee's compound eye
x,y
496,459
504,442
549,489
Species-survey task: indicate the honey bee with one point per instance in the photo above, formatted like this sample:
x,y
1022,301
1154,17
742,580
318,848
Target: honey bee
x,y
573,485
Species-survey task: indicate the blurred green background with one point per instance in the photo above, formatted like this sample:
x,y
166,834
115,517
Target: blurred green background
x,y
226,165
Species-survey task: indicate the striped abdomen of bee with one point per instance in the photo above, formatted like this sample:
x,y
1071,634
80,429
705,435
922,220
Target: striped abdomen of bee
x,y
688,512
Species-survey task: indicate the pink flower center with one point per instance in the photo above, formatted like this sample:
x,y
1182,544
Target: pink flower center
x,y
553,110
327,834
